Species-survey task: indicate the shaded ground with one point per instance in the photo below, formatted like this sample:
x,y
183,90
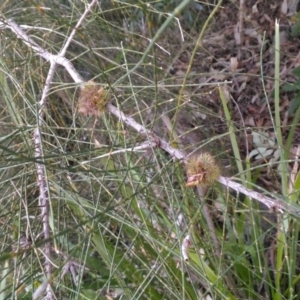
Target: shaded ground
x,y
239,48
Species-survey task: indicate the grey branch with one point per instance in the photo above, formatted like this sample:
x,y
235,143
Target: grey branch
x,y
54,60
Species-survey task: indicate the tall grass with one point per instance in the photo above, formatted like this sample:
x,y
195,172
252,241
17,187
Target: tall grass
x,y
120,215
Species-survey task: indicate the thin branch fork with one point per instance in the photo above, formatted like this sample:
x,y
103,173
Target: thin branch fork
x,y
37,138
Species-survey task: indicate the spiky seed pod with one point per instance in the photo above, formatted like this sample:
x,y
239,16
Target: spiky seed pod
x,y
92,99
202,170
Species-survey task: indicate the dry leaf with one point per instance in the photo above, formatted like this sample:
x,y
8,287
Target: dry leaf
x,y
234,64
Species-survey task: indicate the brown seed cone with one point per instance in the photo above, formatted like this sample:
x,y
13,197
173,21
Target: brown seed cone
x,y
202,170
92,99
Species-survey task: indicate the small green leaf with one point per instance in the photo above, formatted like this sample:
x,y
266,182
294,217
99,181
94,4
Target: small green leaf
x,y
296,71
294,104
294,196
290,87
295,31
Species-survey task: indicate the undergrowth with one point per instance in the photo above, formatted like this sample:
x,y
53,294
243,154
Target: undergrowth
x,y
122,217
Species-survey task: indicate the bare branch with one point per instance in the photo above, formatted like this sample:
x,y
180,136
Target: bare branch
x,y
271,203
56,59
37,136
42,180
80,21
186,243
141,129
